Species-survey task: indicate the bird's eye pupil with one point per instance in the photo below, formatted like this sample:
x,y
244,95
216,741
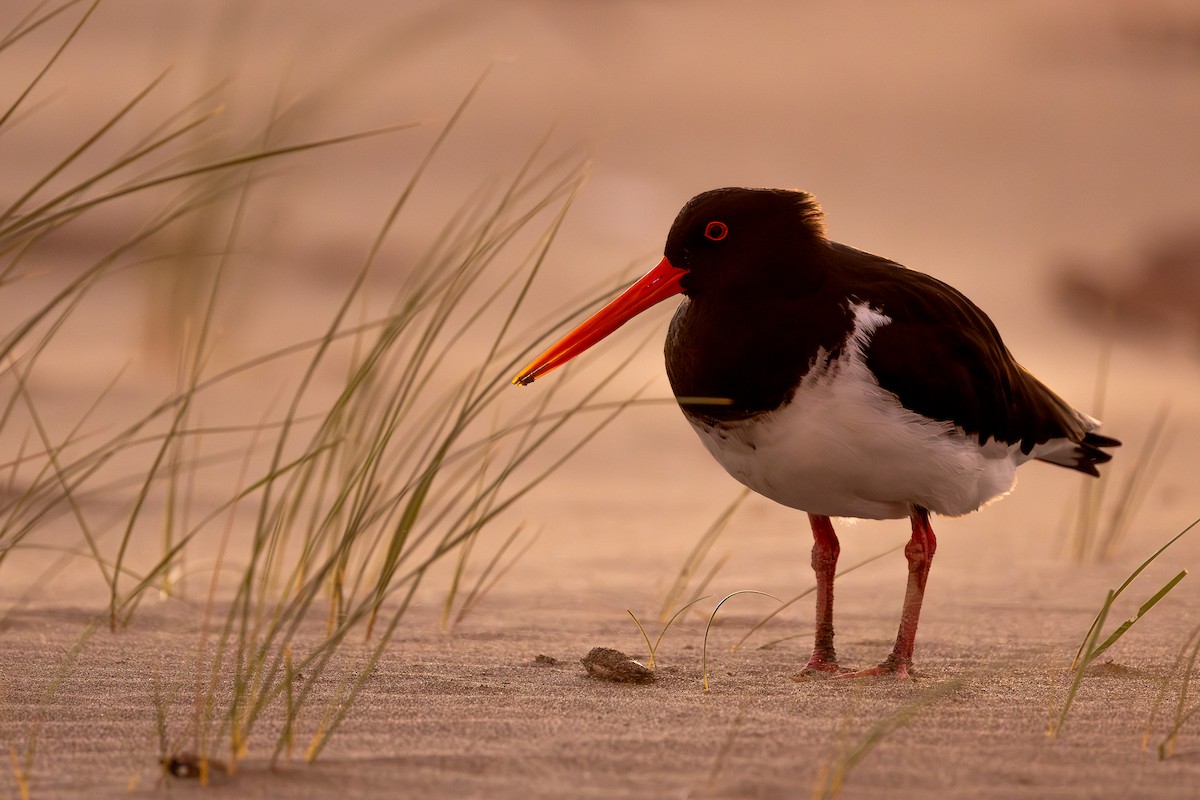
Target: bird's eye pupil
x,y
716,231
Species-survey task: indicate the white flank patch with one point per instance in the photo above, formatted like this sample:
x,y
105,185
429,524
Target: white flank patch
x,y
844,447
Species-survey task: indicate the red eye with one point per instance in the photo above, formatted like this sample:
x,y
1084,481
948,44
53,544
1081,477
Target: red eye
x,y
716,231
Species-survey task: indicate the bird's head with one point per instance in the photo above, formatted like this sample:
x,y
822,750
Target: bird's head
x,y
725,237
721,239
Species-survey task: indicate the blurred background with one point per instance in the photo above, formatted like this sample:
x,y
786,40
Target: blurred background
x,y
1042,156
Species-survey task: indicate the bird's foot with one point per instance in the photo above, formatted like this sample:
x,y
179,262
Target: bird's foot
x,y
892,667
819,667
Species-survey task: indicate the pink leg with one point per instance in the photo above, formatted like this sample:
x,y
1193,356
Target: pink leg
x,y
824,563
919,553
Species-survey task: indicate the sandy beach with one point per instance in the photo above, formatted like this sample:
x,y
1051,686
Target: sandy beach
x,y
998,147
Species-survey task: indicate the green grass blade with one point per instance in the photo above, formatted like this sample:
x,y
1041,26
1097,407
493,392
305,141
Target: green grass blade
x,y
1125,585
1079,668
1142,610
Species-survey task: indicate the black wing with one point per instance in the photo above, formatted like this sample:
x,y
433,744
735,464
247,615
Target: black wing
x,y
944,359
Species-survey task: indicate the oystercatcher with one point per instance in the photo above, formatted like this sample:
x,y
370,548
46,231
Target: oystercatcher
x,y
839,383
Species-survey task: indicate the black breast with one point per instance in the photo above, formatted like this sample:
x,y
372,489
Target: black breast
x,y
734,356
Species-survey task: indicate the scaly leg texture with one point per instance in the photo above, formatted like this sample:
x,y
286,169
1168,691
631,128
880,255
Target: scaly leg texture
x,y
919,552
824,563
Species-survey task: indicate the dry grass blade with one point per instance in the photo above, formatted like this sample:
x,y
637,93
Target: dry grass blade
x,y
15,207
493,571
642,630
1184,669
21,30
653,648
1089,540
23,767
726,747
832,776
1141,476
696,557
708,627
762,622
25,226
31,22
1092,491
59,471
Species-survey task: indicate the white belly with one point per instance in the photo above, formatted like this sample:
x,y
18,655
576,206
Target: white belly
x,y
844,447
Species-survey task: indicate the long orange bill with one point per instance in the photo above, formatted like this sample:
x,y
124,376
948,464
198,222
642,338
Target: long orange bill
x,y
655,286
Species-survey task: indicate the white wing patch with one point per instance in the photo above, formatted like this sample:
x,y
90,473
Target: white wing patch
x,y
845,447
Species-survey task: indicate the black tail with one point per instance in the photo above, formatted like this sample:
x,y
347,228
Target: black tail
x,y
1086,454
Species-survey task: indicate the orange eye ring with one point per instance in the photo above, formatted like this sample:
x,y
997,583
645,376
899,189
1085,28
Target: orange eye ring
x,y
716,231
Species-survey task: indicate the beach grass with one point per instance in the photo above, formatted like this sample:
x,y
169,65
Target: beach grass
x,y
384,458
1105,507
1095,643
834,772
1179,679
342,502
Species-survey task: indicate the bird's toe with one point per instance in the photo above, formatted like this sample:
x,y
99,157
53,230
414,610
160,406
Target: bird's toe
x,y
819,667
891,667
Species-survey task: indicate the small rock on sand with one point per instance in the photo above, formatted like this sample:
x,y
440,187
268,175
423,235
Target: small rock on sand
x,y
608,664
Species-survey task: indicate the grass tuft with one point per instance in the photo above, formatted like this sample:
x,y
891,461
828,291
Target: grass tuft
x,y
1183,670
653,648
832,775
1093,647
352,489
